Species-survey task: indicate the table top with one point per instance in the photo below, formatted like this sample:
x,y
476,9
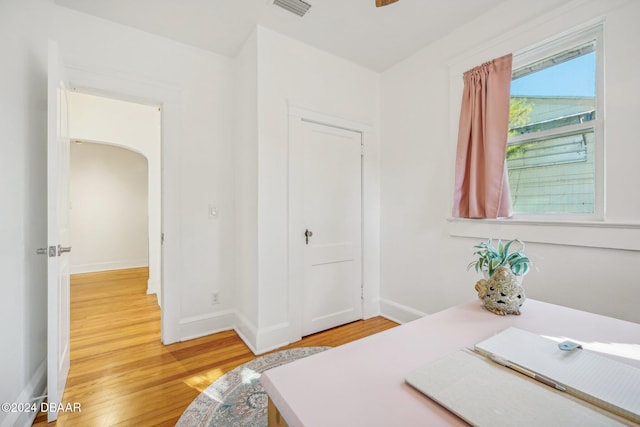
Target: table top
x,y
362,383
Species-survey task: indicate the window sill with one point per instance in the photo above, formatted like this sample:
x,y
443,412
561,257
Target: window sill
x,y
597,234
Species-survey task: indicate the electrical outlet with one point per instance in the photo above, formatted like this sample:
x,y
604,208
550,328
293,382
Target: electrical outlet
x,y
215,298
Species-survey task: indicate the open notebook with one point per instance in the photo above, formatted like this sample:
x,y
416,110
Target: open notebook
x,y
603,381
484,393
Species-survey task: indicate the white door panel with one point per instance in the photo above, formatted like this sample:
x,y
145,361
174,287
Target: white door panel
x,y
331,200
58,237
325,254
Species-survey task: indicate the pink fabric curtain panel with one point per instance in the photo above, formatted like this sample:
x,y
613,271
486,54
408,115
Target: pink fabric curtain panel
x,y
481,186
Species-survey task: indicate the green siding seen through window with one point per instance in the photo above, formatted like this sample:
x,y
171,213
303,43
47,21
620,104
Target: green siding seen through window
x,y
551,148
554,175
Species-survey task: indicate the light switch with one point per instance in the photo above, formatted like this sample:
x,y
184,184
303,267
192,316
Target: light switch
x,y
213,212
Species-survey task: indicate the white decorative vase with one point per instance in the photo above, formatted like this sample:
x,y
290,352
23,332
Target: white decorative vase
x,y
502,293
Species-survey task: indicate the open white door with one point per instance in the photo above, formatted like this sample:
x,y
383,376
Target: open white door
x,y
57,231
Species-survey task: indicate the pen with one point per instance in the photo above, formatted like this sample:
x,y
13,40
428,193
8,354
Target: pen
x,y
517,368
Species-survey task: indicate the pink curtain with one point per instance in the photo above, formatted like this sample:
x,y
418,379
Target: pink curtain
x,y
482,187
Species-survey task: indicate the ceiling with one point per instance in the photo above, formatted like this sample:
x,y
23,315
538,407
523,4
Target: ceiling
x,y
373,37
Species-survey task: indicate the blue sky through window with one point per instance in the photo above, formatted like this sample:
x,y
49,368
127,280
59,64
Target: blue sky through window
x,y
572,78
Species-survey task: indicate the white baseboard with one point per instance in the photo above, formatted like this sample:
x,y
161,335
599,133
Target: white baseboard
x,y
399,313
109,265
153,286
262,340
247,331
206,324
371,308
273,337
35,387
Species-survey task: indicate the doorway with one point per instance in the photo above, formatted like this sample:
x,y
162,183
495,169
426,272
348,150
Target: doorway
x,y
104,124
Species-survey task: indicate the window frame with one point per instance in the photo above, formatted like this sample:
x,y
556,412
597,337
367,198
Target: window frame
x,y
550,48
601,233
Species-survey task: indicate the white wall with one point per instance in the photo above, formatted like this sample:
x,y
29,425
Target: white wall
x,y
108,215
194,88
246,188
423,267
23,226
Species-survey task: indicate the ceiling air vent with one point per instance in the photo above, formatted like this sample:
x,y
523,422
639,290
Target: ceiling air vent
x,y
299,7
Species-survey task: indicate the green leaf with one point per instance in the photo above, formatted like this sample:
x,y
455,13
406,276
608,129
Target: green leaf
x,y
521,260
514,256
489,258
507,246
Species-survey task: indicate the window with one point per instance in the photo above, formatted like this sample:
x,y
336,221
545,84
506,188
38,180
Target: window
x,y
554,150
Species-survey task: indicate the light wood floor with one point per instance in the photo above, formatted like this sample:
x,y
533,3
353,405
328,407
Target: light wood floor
x,y
123,376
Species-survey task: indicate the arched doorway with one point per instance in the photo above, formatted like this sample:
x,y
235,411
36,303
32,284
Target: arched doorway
x,y
136,127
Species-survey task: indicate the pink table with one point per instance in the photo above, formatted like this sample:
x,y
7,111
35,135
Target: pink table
x,y
362,383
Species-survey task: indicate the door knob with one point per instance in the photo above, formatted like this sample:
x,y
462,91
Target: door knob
x,y
307,233
63,249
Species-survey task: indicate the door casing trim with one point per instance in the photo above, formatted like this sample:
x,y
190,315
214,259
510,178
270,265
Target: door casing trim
x,y
370,200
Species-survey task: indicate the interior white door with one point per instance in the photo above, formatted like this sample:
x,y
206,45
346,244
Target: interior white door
x,y
58,315
332,217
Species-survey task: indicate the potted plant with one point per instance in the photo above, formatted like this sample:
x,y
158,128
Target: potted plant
x,y
489,257
504,266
